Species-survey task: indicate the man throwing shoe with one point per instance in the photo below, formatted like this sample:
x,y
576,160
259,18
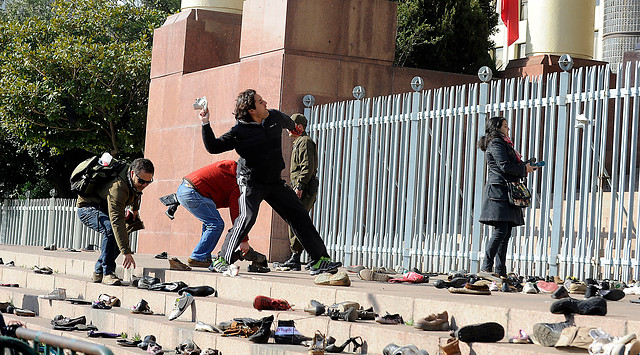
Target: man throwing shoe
x,y
202,192
257,138
107,213
304,165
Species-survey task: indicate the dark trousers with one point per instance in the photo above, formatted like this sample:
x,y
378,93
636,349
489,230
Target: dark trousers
x,y
308,198
285,202
497,248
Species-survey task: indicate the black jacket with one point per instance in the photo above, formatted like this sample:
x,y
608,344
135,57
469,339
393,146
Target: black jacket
x,y
258,145
502,166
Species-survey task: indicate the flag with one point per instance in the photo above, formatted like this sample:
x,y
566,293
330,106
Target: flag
x,y
511,18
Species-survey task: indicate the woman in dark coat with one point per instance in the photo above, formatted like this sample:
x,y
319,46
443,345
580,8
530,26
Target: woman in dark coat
x,y
504,164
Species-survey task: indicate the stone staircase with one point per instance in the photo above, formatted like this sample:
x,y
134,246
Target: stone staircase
x,y
235,299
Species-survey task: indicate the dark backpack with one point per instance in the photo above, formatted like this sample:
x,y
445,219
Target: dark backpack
x,y
90,175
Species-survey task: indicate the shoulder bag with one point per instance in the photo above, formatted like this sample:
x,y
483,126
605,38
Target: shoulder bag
x,y
519,194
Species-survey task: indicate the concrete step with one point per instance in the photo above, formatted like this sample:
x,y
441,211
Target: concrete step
x,y
513,311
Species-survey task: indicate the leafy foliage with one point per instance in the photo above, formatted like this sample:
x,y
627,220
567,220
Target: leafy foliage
x,y
74,80
445,35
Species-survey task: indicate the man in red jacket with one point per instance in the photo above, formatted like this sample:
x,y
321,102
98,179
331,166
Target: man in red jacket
x,y
204,191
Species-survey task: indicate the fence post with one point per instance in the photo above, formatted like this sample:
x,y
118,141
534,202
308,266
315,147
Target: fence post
x,y
485,75
4,221
410,215
354,177
24,212
565,63
51,213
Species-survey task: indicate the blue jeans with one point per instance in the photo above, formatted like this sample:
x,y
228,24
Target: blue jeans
x,y
204,209
109,251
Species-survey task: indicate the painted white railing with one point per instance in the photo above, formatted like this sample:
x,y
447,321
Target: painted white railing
x,y
43,222
401,178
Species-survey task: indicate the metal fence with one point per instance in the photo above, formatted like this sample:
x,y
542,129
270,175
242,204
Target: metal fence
x,y
43,222
401,178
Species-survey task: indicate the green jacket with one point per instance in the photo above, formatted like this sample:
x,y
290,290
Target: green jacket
x,y
113,198
304,163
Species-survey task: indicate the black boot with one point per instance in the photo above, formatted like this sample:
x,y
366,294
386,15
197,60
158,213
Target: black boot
x,y
294,262
261,336
170,201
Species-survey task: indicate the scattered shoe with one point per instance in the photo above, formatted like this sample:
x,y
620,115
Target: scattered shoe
x,y
411,277
354,268
370,275
350,315
434,322
258,269
23,312
483,333
261,336
596,306
232,271
141,308
198,291
286,333
561,292
204,327
547,287
293,263
90,247
456,282
318,344
51,247
393,349
315,308
162,255
390,319
181,304
521,338
612,295
128,343
175,286
100,305
111,301
529,287
333,348
57,294
43,270
61,320
452,347
10,263
547,334
146,282
188,347
339,279
97,334
176,264
263,303
324,265
78,301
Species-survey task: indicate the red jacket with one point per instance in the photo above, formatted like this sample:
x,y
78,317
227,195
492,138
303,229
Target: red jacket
x,y
218,182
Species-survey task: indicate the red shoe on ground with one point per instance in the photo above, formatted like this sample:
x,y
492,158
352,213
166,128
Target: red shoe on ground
x,y
264,303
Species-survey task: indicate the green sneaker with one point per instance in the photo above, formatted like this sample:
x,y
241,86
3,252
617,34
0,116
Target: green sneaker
x,y
219,265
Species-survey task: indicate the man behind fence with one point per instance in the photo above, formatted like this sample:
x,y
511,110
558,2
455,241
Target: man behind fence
x,y
113,212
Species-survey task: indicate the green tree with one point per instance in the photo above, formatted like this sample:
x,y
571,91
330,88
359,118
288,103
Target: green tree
x,y
445,35
74,79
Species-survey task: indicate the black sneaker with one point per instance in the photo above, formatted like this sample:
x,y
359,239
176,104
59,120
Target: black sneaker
x,y
595,306
324,265
561,292
293,263
484,332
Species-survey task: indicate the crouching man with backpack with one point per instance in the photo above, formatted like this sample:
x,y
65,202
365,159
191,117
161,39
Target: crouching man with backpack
x,y
105,211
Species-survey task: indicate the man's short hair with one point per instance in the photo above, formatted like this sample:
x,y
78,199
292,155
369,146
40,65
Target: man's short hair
x,y
300,119
142,164
246,101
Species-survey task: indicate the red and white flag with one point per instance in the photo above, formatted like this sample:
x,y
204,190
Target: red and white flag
x,y
511,18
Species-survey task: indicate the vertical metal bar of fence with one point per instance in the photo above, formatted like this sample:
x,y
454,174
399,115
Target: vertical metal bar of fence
x,y
4,222
51,214
425,131
632,172
412,159
352,191
558,179
479,168
24,232
445,178
470,158
602,109
622,182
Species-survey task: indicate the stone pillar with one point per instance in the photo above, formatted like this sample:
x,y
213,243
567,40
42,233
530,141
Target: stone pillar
x,y
561,26
230,6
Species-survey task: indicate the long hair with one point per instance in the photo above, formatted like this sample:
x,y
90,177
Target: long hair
x,y
246,101
491,131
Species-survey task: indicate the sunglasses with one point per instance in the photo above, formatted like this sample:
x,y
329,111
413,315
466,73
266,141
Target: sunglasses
x,y
142,181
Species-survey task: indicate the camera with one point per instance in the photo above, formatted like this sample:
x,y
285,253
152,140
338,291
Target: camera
x,y
533,162
201,103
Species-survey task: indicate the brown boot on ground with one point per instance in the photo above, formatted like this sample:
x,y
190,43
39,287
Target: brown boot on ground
x,y
97,278
451,348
